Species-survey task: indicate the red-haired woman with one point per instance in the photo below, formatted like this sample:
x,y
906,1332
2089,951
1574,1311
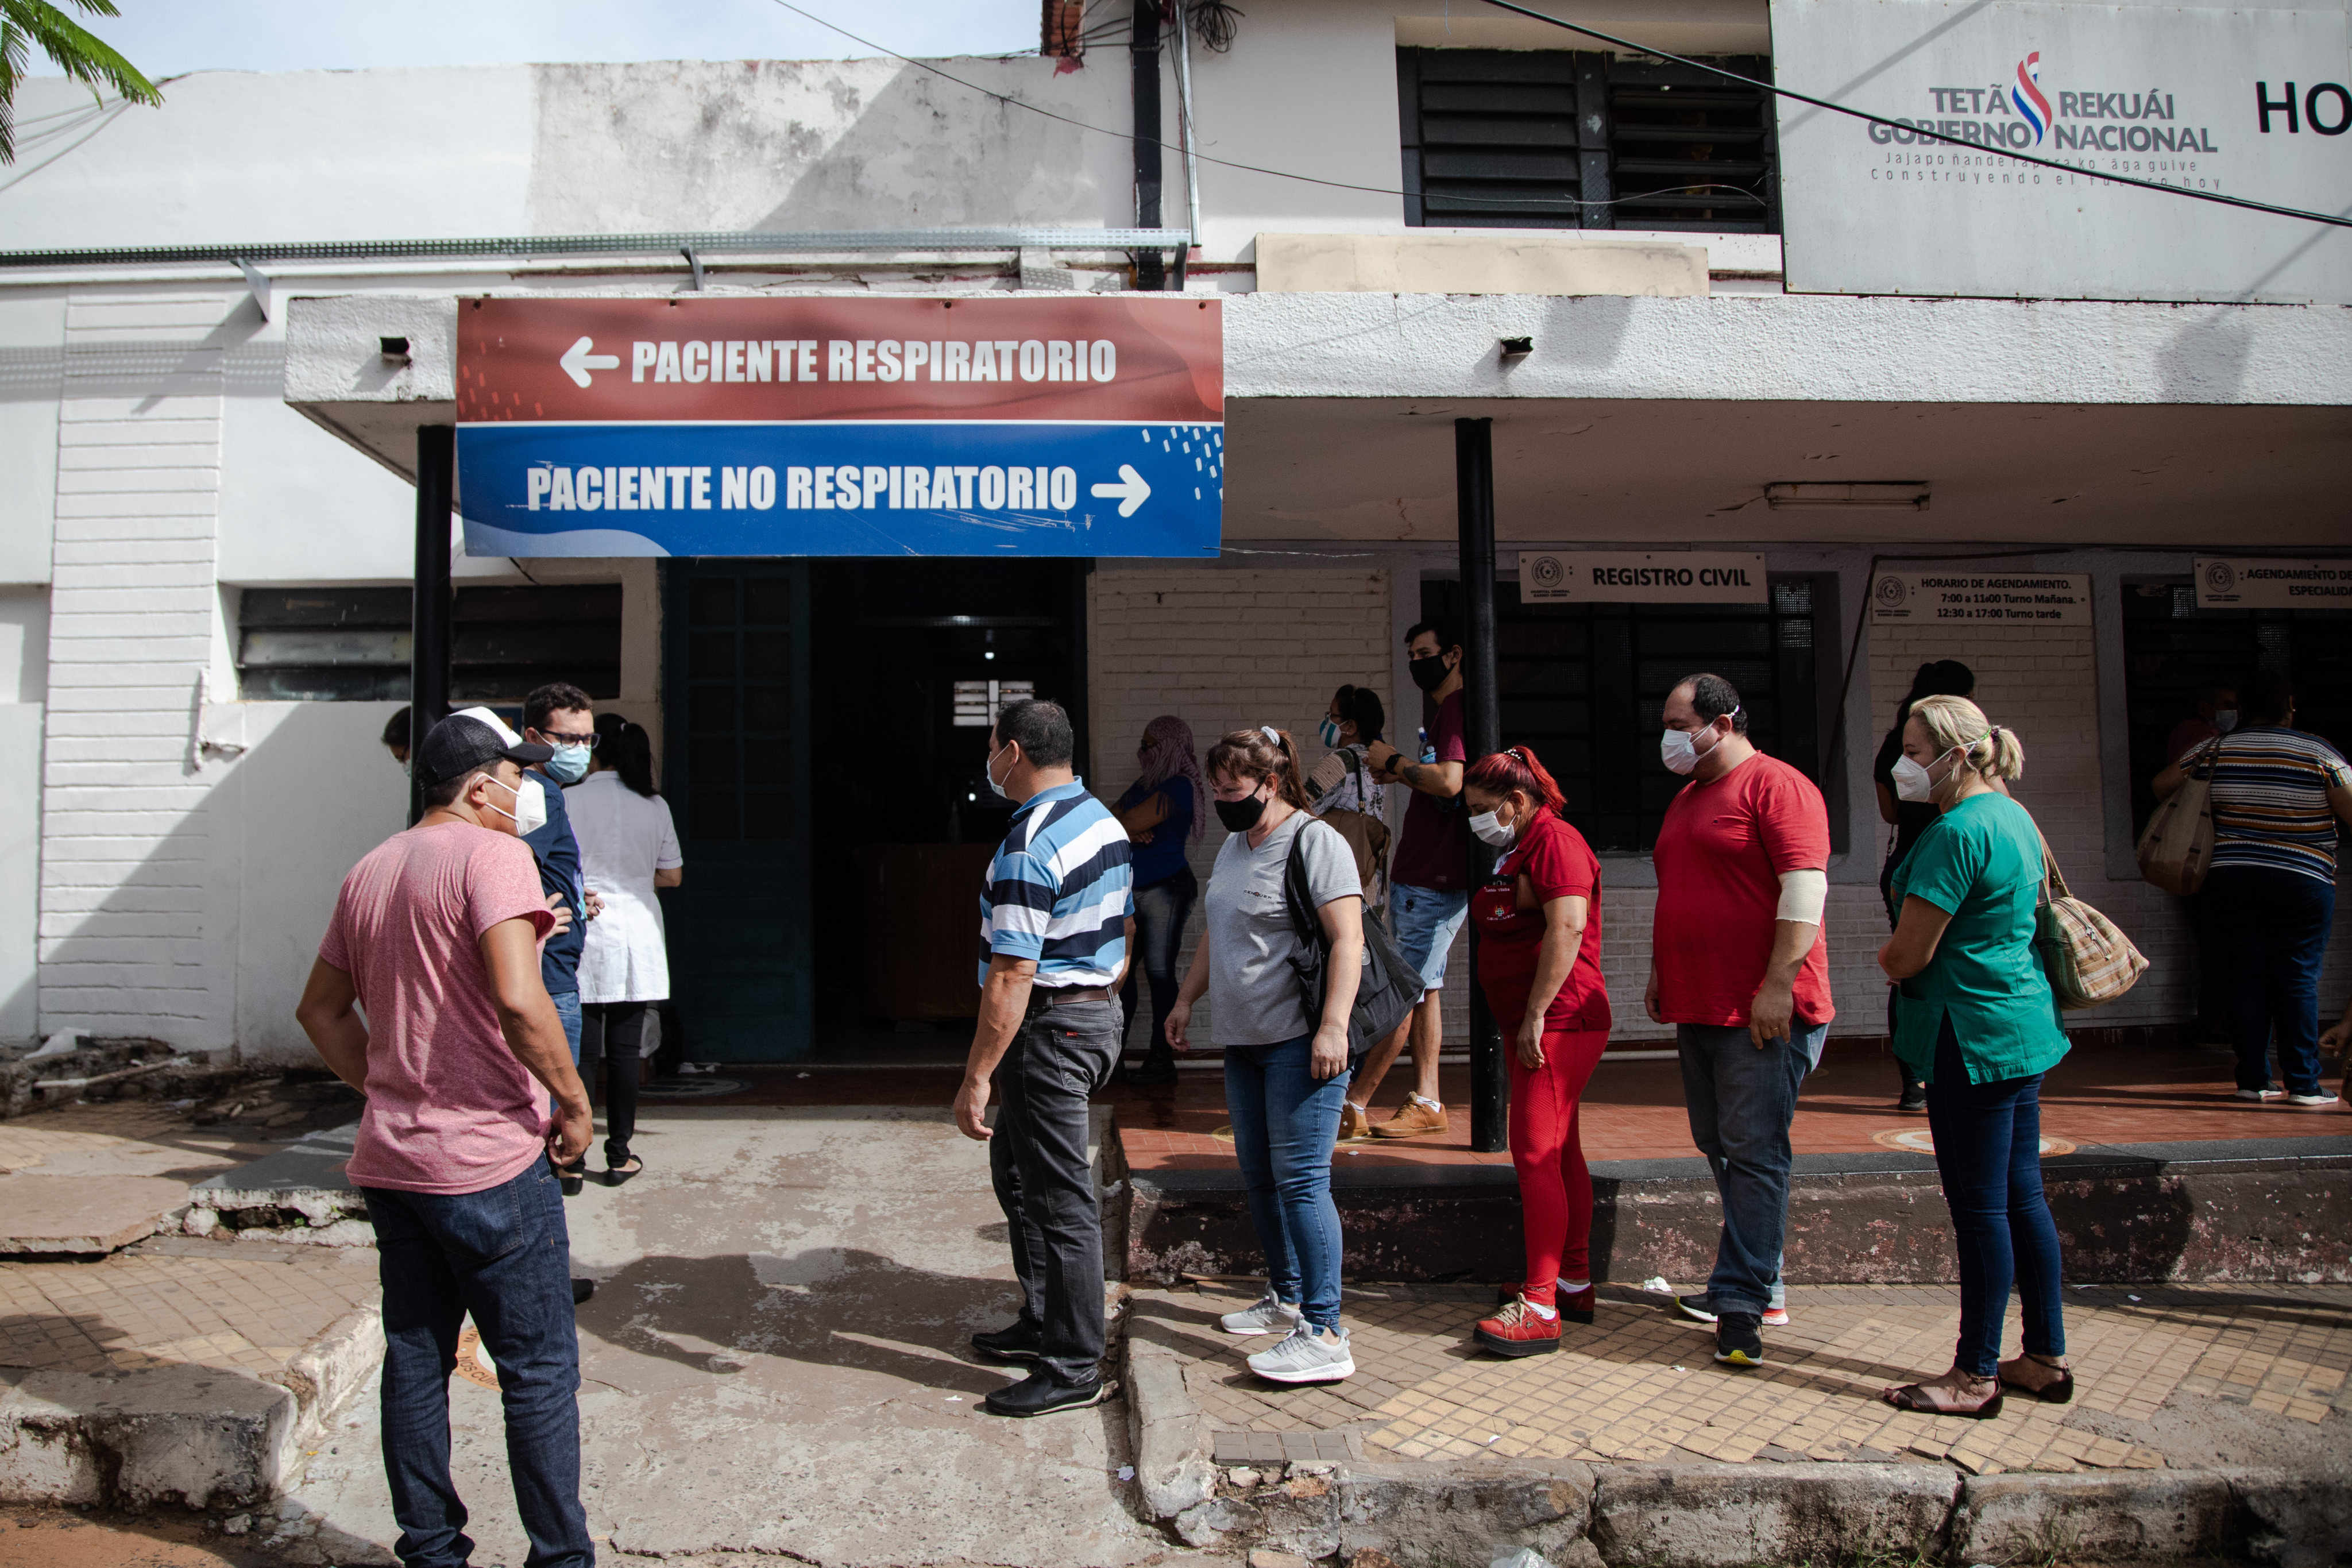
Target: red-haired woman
x,y
1538,921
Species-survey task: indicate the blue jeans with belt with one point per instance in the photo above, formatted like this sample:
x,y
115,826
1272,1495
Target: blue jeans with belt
x,y
1989,1153
2276,925
504,1257
1284,1122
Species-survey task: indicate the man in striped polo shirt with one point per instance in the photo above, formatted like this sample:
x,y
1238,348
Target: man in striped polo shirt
x,y
1055,919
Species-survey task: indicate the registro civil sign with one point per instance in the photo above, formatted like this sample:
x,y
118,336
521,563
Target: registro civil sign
x,y
841,427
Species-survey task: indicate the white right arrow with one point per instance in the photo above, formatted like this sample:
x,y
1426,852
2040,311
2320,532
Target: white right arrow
x,y
577,361
1130,492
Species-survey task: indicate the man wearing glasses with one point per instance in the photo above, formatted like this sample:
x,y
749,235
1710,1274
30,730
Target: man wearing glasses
x,y
562,717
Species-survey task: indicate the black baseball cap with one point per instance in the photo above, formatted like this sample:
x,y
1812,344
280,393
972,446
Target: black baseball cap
x,y
472,739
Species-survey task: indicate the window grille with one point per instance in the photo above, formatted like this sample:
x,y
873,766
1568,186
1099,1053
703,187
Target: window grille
x,y
1585,684
352,645
1560,139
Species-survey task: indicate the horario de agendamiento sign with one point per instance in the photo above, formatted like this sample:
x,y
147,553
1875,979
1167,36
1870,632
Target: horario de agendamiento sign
x,y
823,425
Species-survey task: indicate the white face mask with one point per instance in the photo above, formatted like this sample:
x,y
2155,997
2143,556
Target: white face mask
x,y
1913,783
988,770
529,813
2225,720
1491,830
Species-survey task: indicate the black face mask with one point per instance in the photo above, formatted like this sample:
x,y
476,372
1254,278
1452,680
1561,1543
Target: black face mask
x,y
1240,815
1430,673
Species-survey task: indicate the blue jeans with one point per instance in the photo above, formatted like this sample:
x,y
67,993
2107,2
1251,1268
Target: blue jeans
x,y
567,1007
1989,1153
1284,1123
1161,910
1741,1099
2276,926
1426,923
503,1256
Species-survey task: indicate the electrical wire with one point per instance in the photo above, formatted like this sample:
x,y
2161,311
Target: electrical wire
x,y
1011,101
1921,130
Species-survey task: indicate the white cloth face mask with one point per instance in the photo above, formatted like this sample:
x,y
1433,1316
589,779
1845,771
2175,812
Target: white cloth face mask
x,y
529,813
1678,751
2225,720
1492,831
1913,783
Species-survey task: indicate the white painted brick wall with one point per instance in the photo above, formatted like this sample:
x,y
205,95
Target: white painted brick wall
x,y
1224,650
132,932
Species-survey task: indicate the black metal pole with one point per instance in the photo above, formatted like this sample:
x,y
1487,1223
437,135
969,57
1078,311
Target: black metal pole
x,y
1482,713
1143,45
429,651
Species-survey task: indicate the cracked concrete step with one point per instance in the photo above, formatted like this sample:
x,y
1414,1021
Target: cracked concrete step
x,y
84,1213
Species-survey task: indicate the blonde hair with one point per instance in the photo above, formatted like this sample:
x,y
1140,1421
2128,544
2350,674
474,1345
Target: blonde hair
x,y
1252,756
1955,723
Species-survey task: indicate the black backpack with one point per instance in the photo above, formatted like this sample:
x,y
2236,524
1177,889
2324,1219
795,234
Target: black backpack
x,y
1390,987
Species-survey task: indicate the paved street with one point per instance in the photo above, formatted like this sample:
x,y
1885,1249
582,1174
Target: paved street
x,y
774,1362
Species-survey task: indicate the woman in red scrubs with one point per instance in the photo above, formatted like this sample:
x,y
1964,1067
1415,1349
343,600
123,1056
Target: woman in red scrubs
x,y
1539,959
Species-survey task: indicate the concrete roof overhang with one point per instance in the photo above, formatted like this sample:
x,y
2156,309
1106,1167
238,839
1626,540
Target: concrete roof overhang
x,y
1637,419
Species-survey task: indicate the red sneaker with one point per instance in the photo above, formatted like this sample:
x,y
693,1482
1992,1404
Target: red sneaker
x,y
1518,1330
1575,1309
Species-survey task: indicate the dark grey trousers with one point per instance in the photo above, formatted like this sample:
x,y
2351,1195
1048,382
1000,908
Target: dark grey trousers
x,y
1058,1058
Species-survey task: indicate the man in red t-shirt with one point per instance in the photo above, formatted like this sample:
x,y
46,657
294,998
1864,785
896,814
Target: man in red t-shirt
x,y
427,998
1737,964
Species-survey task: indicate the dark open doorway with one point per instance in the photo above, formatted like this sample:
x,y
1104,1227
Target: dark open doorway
x,y
906,657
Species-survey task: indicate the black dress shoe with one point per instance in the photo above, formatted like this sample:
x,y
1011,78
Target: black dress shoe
x,y
1042,1393
581,1290
1022,1343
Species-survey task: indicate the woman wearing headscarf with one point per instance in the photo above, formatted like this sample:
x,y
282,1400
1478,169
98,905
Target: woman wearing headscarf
x,y
1162,812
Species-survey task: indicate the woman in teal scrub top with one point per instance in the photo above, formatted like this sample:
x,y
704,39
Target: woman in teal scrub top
x,y
1974,1017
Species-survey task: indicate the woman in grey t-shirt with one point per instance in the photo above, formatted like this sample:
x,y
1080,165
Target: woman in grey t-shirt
x,y
1285,1073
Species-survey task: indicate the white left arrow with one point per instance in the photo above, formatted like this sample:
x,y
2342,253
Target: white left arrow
x,y
577,361
1130,492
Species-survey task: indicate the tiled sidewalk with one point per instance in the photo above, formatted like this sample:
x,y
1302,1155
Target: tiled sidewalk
x,y
1640,1383
244,1305
249,1306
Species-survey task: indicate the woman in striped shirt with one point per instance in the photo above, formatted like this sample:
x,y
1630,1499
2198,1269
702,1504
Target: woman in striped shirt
x,y
2278,795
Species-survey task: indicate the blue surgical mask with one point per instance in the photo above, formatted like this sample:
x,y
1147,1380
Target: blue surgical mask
x,y
568,765
1330,732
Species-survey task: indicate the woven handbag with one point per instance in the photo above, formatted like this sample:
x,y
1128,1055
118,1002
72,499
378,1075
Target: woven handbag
x,y
2178,848
2089,962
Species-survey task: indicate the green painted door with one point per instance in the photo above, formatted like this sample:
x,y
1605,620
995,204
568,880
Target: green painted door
x,y
735,705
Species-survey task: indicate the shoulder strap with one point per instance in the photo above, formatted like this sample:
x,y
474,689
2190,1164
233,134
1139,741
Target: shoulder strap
x,y
2054,880
1298,897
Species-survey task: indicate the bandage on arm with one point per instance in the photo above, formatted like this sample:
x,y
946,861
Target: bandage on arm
x,y
1803,896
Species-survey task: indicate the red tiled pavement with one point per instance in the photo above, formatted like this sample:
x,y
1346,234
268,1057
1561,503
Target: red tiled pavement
x,y
1634,1109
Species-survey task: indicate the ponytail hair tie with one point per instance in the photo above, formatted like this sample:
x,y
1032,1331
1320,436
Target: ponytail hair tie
x,y
1271,733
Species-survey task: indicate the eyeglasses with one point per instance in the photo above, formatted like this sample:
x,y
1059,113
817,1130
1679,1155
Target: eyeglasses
x,y
558,738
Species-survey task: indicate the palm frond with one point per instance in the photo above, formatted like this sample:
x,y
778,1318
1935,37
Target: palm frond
x,y
73,49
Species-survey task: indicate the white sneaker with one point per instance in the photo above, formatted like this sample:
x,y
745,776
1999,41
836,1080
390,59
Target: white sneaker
x,y
2316,1101
1306,1356
1268,1317
2258,1095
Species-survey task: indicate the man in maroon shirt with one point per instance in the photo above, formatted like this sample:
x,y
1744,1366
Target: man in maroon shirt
x,y
1429,885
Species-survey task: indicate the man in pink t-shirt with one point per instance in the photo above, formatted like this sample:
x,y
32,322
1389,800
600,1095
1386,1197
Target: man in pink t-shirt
x,y
1739,965
427,998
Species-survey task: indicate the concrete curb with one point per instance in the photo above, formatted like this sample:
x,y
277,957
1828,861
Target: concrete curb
x,y
1710,1515
206,1436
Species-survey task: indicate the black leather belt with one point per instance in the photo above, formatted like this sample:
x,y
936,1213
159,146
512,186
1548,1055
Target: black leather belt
x,y
1043,996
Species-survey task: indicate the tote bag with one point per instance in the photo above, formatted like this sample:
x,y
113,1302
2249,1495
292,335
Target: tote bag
x,y
2177,850
2088,960
1366,835
1389,988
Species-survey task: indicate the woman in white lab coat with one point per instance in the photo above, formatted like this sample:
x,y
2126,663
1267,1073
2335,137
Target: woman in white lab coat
x,y
628,847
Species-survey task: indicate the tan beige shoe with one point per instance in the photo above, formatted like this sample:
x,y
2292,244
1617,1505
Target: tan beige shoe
x,y
1353,1122
1416,1118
